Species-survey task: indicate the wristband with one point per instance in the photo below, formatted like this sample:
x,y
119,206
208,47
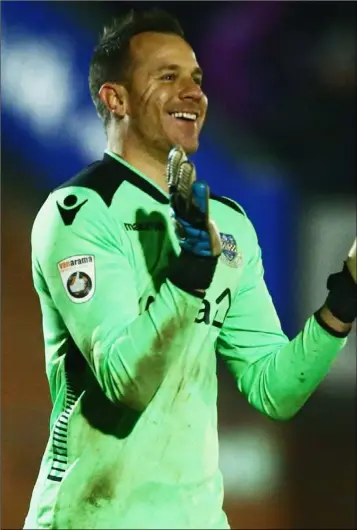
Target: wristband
x,y
342,299
191,272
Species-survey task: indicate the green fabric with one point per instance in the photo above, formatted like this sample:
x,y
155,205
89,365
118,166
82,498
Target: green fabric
x,y
153,461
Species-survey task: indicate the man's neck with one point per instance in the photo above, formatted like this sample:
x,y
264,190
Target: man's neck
x,y
148,164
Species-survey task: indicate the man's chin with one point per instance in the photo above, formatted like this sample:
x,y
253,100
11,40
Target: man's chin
x,y
190,150
189,146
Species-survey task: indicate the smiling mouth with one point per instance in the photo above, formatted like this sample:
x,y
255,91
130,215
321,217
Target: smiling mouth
x,y
185,116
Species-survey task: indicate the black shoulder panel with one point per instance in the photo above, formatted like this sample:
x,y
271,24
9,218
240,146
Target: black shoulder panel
x,y
228,202
100,177
105,176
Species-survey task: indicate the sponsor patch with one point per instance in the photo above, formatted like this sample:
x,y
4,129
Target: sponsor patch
x,y
78,277
230,255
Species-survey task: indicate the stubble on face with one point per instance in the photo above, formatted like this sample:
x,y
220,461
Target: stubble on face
x,y
153,95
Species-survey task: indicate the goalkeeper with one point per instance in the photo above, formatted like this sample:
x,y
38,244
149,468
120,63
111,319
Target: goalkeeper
x,y
143,278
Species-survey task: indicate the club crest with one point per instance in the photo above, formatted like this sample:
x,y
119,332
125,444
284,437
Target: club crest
x,y
230,255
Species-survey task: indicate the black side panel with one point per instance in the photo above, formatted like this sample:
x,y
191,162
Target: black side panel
x,y
101,413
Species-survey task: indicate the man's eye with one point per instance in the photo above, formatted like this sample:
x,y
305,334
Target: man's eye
x,y
168,77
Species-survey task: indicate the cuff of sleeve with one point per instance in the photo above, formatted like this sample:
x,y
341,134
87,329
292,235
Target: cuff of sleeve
x,y
192,273
341,299
333,332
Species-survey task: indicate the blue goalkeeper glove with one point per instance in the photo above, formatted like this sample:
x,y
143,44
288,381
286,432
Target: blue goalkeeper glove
x,y
197,234
189,199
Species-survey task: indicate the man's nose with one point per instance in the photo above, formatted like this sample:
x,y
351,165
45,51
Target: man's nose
x,y
191,90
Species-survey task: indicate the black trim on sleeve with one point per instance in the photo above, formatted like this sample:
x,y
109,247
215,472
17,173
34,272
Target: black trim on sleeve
x,y
333,332
106,176
227,202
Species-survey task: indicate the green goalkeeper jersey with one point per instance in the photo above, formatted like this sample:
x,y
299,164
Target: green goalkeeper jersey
x,y
131,358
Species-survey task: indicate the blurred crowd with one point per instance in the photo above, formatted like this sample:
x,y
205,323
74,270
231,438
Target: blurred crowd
x,y
287,72
284,71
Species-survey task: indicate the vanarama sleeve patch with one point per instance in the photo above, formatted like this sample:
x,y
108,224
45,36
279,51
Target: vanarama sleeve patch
x,y
78,277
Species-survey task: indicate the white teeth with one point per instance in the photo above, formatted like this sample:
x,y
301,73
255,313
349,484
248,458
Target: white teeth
x,y
185,115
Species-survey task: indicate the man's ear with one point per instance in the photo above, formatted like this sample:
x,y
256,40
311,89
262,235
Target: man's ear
x,y
115,98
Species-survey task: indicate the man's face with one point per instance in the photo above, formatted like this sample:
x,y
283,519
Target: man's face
x,y
167,105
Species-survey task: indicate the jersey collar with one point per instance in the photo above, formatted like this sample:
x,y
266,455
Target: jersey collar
x,y
138,179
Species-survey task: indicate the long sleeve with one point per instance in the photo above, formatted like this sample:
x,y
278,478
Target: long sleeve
x,y
276,375
87,289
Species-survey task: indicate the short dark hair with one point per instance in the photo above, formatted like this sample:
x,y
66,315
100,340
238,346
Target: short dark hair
x,y
111,58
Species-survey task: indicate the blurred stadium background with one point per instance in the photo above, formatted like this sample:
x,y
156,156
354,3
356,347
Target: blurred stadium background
x,y
280,139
